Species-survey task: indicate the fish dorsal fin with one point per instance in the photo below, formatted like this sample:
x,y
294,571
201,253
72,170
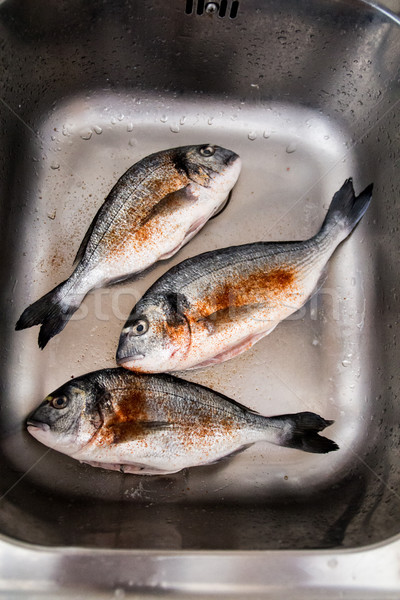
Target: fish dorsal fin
x,y
84,242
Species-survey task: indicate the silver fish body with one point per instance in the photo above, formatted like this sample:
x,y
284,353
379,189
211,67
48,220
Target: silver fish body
x,y
214,306
155,208
158,424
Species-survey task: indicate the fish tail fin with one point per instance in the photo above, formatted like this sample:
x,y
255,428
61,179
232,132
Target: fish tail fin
x,y
52,311
301,431
346,210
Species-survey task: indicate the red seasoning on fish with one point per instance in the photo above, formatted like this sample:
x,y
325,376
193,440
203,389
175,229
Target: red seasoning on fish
x,y
155,208
212,307
159,424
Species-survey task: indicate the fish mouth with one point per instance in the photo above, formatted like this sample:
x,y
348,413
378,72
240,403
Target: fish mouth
x,y
37,425
128,359
233,157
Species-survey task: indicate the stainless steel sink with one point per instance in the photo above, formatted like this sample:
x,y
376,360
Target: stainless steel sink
x,y
308,94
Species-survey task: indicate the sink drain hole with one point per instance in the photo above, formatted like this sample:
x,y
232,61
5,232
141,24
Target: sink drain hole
x,y
200,7
220,8
234,9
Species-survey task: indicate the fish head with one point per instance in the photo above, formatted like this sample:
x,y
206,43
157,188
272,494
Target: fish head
x,y
209,166
156,336
66,419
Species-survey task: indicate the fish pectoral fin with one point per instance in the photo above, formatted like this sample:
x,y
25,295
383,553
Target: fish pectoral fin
x,y
152,425
220,318
120,433
171,202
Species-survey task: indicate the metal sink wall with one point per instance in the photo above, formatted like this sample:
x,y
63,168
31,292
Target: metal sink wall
x,y
308,94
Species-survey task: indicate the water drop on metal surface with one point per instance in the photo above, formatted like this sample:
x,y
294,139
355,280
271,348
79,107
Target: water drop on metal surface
x,y
87,134
292,147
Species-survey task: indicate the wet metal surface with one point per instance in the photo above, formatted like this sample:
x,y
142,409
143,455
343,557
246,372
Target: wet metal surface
x,y
307,95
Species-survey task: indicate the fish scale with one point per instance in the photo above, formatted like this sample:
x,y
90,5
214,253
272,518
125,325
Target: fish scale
x,y
159,424
155,208
212,307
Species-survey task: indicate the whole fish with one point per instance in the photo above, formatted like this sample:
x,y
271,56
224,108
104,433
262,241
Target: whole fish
x,y
158,424
212,307
155,208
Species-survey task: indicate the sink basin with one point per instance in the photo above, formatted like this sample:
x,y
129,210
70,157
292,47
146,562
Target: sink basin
x,y
308,95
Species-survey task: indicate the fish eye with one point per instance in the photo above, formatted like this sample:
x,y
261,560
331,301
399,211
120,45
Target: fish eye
x,y
207,151
139,327
59,402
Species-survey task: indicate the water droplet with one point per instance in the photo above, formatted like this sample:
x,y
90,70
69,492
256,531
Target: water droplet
x,y
332,562
65,131
292,147
86,134
252,135
53,138
255,85
54,165
182,120
132,142
346,362
210,120
97,129
121,117
164,119
129,127
174,128
267,134
326,137
315,342
113,120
